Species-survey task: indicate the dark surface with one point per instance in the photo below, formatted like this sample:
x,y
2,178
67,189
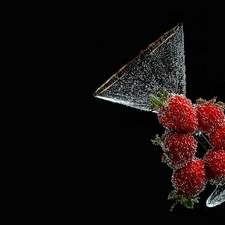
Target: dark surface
x,y
125,174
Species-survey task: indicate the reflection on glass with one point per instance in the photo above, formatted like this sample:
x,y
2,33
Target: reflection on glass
x,y
217,196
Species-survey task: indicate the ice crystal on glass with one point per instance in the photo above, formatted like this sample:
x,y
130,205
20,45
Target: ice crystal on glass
x,y
158,68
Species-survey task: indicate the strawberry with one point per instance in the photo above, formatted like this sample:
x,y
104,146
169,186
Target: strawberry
x,y
210,115
175,112
214,161
188,183
179,148
217,138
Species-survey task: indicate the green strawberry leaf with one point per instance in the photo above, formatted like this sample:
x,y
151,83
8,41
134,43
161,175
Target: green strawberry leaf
x,y
186,201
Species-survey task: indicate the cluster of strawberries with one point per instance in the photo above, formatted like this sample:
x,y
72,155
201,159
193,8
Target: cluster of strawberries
x,y
182,120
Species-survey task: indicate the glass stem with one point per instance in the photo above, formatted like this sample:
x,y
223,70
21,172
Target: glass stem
x,y
201,138
218,195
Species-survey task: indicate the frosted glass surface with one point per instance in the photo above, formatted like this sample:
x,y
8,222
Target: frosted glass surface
x,y
158,68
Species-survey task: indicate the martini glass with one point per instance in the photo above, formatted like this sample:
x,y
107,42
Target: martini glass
x,y
158,68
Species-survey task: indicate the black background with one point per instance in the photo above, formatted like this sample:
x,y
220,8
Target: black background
x,y
125,176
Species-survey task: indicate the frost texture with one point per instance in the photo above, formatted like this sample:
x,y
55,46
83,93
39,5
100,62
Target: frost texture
x,y
158,68
217,197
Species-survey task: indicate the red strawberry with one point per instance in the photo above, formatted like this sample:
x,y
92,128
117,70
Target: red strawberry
x,y
214,161
191,179
188,183
179,149
217,138
210,115
175,112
